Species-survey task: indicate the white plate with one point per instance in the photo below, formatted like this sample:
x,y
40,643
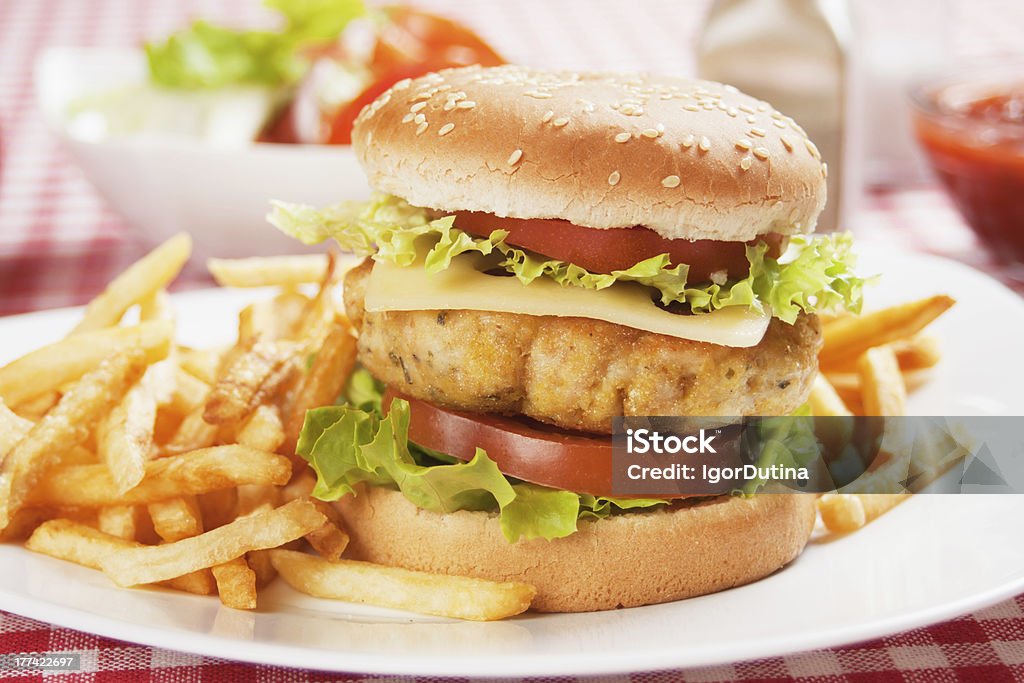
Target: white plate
x,y
932,558
164,184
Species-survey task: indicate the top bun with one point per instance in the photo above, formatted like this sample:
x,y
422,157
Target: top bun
x,y
689,159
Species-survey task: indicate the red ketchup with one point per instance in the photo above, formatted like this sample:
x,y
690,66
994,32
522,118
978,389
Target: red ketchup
x,y
973,134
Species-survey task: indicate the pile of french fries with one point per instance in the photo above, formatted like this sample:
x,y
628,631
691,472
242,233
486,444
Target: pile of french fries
x,y
158,464
867,366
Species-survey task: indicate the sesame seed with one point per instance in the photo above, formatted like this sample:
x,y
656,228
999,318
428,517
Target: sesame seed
x,y
422,127
560,121
732,111
614,178
759,132
743,144
623,137
466,104
539,95
691,107
416,107
408,117
688,141
778,124
547,116
813,149
449,105
751,119
761,153
746,109
745,163
824,170
421,96
670,181
650,133
786,142
660,128
402,84
763,106
514,157
419,118
445,129
704,144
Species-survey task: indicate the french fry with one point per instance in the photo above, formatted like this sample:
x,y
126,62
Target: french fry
x,y
324,382
202,471
845,512
64,427
280,271
176,518
272,320
141,280
252,498
27,520
919,352
13,429
34,408
236,584
458,597
193,433
263,430
330,540
75,542
261,564
846,338
189,392
824,400
301,485
252,377
882,388
123,521
48,368
152,564
125,436
157,306
201,365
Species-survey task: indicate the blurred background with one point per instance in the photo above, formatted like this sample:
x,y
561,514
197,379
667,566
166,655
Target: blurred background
x,y
844,70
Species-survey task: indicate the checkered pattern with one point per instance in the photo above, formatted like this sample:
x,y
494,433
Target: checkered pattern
x,y
59,244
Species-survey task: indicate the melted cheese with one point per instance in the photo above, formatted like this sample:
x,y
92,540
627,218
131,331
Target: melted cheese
x,y
461,286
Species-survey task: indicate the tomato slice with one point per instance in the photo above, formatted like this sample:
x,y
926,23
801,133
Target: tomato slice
x,y
602,251
413,36
526,450
412,43
341,124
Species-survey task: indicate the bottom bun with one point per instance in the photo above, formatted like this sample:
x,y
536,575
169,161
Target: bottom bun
x,y
626,560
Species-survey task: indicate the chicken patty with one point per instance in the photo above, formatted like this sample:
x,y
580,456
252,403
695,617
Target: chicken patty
x,y
577,373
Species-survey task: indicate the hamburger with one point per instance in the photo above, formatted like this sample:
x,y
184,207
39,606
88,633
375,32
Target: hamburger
x,y
546,251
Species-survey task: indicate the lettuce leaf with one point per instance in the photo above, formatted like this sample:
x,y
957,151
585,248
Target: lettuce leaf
x,y
814,275
209,56
346,446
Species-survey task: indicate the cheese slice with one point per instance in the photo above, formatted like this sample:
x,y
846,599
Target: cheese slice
x,y
462,287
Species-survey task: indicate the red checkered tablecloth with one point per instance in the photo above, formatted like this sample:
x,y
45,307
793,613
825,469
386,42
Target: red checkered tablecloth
x,y
59,244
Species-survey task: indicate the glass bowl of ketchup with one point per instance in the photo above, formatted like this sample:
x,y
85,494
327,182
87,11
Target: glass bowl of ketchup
x,y
970,123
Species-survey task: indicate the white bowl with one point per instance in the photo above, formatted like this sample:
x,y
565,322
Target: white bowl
x,y
164,184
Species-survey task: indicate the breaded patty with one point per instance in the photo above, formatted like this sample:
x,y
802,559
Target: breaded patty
x,y
578,373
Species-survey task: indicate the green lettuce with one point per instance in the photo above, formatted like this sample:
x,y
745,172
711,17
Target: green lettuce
x,y
815,274
347,445
209,56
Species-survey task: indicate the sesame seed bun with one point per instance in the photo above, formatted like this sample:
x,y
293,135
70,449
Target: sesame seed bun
x,y
636,558
689,159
